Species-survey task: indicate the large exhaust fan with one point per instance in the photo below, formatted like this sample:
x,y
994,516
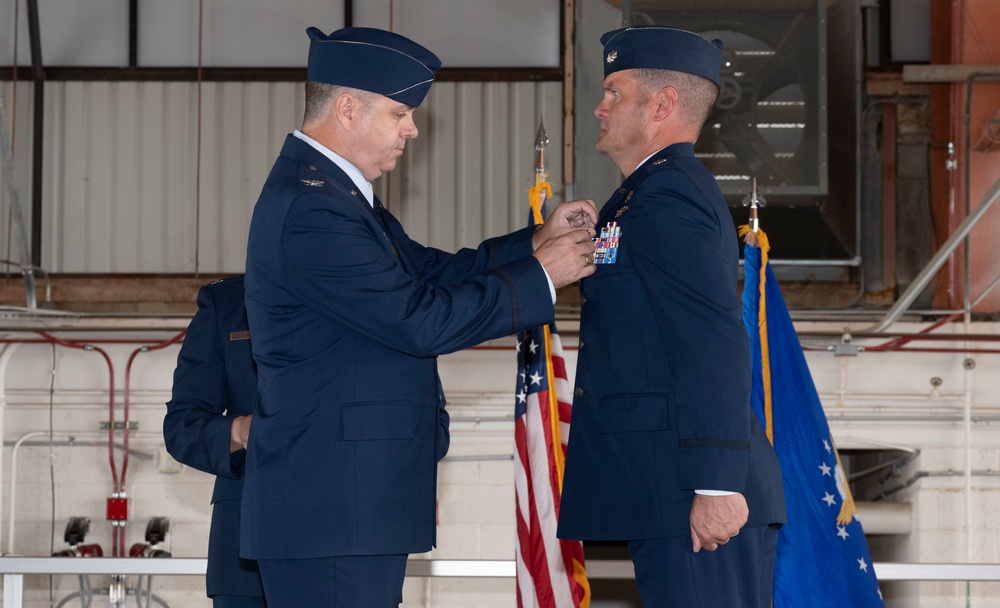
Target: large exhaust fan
x,y
770,119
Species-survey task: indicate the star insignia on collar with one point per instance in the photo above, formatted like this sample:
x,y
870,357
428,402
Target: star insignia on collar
x,y
612,56
313,182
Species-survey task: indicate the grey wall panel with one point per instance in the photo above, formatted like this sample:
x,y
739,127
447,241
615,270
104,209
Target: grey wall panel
x,y
121,187
466,176
121,169
18,111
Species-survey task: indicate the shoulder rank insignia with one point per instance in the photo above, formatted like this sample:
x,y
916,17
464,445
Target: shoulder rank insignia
x,y
313,182
658,162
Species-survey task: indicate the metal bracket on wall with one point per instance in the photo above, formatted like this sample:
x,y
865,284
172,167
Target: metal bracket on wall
x,y
120,426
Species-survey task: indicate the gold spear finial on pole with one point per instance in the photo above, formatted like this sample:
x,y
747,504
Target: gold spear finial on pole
x,y
754,200
541,190
541,140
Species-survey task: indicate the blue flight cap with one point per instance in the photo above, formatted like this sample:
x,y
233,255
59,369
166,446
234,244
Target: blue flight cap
x,y
372,60
663,48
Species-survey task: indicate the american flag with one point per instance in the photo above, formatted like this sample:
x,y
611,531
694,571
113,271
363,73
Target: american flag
x,y
550,572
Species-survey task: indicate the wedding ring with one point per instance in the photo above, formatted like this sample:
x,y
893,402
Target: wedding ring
x,y
588,259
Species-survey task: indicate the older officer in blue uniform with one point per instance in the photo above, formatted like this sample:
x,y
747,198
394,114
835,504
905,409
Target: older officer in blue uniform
x,y
665,451
207,420
348,315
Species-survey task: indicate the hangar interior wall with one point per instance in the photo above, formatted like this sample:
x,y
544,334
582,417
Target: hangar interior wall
x,y
907,407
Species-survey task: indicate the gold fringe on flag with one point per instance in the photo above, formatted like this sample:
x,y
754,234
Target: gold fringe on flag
x,y
759,240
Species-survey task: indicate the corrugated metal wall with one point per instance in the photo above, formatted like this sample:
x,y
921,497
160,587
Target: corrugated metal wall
x,y
16,103
120,191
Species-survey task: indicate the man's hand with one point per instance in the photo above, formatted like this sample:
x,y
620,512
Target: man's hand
x,y
716,519
569,215
569,257
239,433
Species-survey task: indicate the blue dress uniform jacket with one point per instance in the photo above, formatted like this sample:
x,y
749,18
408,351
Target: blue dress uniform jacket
x,y
348,315
215,380
662,397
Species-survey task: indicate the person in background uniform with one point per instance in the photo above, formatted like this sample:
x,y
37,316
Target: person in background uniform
x,y
348,316
666,452
208,417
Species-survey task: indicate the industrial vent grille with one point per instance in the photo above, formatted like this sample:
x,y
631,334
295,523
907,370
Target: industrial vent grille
x,y
769,122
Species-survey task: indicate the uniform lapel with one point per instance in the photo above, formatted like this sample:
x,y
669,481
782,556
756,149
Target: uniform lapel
x,y
400,252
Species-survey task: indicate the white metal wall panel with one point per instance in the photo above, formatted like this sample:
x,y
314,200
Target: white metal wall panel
x,y
122,172
119,177
17,104
466,176
121,168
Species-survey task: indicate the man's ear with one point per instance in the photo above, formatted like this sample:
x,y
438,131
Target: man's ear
x,y
666,102
346,109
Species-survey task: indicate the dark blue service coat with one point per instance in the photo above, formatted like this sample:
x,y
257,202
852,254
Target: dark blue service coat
x,y
214,381
348,315
662,397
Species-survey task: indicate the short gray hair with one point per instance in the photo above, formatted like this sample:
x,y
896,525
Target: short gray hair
x,y
698,94
319,96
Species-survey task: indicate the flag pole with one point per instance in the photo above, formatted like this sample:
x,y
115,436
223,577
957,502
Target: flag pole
x,y
537,195
754,200
541,190
550,571
754,236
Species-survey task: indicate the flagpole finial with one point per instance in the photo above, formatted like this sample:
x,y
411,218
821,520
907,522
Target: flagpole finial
x,y
754,200
542,139
541,190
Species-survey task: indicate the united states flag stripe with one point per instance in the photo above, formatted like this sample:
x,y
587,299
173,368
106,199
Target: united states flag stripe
x,y
550,572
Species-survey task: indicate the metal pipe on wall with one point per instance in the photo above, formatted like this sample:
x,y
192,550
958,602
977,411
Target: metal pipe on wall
x,y
16,214
12,500
936,262
8,352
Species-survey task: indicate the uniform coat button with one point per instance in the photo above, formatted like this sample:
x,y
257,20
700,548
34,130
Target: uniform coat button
x,y
578,392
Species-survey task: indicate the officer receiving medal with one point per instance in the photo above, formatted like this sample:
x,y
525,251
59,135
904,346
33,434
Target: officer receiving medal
x,y
665,452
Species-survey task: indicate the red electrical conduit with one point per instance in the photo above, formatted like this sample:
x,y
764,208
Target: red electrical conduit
x,y
898,343
111,395
118,483
128,373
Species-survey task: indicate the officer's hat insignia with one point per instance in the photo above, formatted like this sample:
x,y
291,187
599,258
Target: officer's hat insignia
x,y
612,56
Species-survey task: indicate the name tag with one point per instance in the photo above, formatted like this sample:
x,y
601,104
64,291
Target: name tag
x,y
239,335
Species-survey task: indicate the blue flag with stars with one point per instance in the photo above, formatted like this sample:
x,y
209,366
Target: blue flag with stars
x,y
823,559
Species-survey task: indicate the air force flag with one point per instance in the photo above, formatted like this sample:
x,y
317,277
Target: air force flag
x,y
823,559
